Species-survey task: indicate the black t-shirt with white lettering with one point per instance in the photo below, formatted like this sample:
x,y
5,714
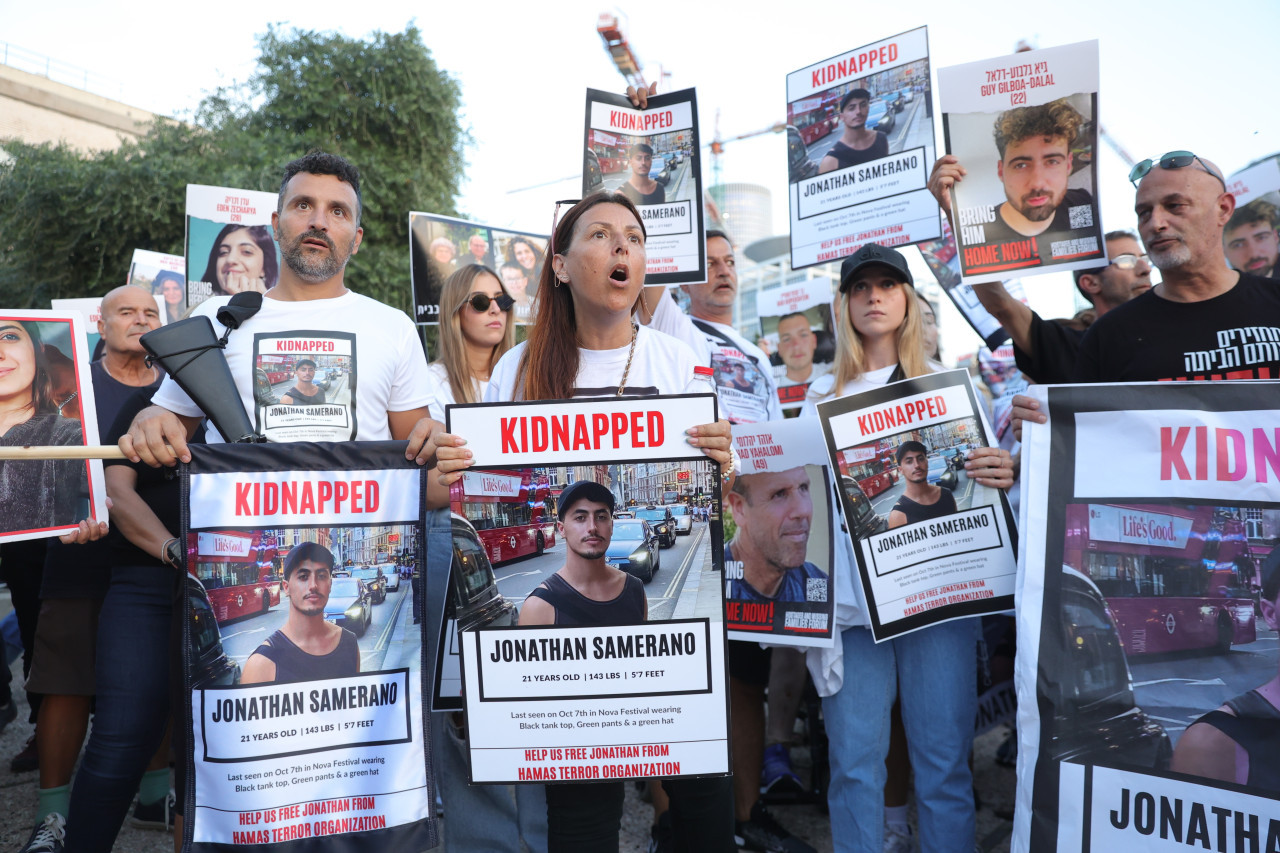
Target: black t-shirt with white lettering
x,y
1232,336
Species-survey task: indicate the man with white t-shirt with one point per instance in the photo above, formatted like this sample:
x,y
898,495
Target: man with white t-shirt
x,y
310,312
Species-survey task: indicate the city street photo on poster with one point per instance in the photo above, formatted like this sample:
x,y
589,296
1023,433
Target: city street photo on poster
x,y
940,546
305,385
439,246
1151,529
229,244
795,319
778,522
633,687
165,276
304,668
49,393
1025,127
859,147
653,156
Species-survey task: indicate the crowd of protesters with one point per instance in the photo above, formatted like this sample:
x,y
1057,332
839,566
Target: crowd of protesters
x,y
98,614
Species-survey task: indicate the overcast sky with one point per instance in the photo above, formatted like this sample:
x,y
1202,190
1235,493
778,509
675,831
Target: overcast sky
x,y
1173,75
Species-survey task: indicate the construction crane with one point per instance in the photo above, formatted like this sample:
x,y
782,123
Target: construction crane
x,y
619,49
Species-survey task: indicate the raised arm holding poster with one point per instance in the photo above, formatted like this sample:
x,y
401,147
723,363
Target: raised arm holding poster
x,y
778,519
652,155
325,732
46,400
606,686
1025,128
229,245
860,128
442,245
948,546
1146,673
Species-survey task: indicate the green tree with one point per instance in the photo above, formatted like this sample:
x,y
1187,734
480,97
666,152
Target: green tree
x,y
69,222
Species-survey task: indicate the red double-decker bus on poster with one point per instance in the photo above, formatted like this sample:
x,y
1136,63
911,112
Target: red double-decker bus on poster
x,y
1175,578
815,117
872,467
513,512
610,150
237,572
279,368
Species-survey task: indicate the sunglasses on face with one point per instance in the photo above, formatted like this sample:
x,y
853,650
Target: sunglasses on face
x,y
480,302
1127,261
1172,160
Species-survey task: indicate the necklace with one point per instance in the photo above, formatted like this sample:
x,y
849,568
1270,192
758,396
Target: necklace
x,y
635,329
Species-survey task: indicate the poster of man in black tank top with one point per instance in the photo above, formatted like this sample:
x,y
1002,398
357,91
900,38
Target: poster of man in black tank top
x,y
304,391
616,669
948,546
307,647
1148,613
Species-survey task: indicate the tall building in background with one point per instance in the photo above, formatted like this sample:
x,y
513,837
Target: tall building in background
x,y
745,211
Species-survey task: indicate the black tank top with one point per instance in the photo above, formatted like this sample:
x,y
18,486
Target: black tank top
x,y
1256,728
300,399
945,505
573,609
293,664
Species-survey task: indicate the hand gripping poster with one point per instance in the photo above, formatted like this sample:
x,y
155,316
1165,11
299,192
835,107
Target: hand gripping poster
x,y
778,523
1025,128
616,669
308,729
859,147
45,379
230,247
442,246
653,156
931,543
1148,694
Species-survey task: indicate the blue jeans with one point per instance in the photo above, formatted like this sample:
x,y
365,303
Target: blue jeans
x,y
491,818
934,673
132,703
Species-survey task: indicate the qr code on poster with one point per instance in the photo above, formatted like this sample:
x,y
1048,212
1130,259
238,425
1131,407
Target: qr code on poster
x,y
1080,216
815,589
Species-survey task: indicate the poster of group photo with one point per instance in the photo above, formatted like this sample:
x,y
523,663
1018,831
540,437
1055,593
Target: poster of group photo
x,y
1252,236
617,666
1025,127
165,276
441,247
935,545
652,156
779,549
229,245
1151,525
46,388
304,665
860,146
795,321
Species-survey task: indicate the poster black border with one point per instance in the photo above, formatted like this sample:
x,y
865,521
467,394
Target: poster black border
x,y
888,393
690,96
352,376
1064,401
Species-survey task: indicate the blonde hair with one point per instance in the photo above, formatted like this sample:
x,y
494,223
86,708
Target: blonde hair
x,y
453,351
851,359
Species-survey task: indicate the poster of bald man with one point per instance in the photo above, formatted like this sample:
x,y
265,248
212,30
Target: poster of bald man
x,y
778,552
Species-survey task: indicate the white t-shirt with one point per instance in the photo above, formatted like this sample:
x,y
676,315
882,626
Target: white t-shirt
x,y
743,375
440,392
361,348
661,365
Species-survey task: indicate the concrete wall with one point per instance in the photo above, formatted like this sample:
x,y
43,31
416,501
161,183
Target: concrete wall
x,y
36,109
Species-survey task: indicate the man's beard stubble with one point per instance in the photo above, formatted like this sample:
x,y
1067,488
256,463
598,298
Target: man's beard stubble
x,y
315,269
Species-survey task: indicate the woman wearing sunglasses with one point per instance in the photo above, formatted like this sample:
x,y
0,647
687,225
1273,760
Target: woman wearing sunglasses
x,y
585,342
476,333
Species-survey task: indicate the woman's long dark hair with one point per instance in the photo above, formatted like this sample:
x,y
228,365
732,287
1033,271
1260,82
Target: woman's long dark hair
x,y
511,251
42,401
549,364
261,235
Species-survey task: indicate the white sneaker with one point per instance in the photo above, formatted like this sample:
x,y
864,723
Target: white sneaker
x,y
898,842
48,836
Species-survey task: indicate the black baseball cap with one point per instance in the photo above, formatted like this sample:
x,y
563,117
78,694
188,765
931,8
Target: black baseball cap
x,y
873,253
588,490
